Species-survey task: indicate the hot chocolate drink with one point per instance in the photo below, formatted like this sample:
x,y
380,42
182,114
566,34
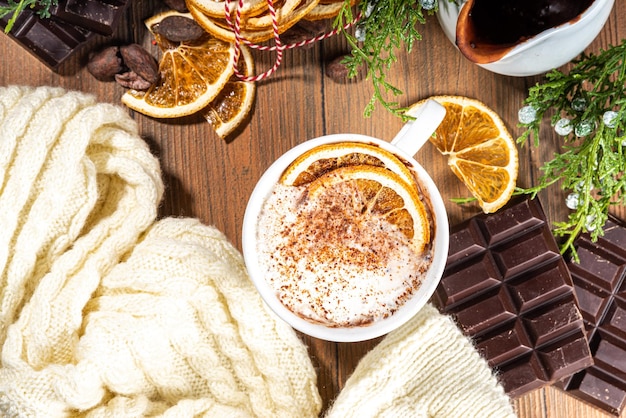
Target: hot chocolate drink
x,y
348,248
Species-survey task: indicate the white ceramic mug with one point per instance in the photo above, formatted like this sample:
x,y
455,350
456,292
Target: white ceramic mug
x,y
408,141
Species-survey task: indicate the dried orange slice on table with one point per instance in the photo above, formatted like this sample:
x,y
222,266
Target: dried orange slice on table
x,y
197,76
284,8
480,149
192,74
228,110
217,8
254,28
327,9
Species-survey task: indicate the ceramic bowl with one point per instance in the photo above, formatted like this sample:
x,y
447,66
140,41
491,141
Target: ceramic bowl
x,y
543,52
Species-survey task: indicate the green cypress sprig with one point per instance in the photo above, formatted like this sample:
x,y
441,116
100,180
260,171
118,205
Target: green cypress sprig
x,y
587,106
385,27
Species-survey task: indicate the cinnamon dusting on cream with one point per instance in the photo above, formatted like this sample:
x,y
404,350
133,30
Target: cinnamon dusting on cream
x,y
330,261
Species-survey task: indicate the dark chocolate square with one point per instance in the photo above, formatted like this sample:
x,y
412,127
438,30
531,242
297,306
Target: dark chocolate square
x,y
99,16
510,290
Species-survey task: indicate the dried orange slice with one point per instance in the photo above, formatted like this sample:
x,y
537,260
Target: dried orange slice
x,y
191,74
327,9
284,8
234,102
480,150
216,8
375,192
324,158
218,27
324,11
252,32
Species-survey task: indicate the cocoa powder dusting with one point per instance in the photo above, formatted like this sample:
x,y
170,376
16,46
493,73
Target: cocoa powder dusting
x,y
331,262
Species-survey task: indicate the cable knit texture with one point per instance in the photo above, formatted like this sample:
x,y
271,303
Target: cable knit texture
x,y
104,312
107,312
425,369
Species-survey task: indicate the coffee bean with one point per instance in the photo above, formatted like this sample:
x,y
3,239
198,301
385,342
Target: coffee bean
x,y
138,60
339,72
105,64
179,29
178,5
131,80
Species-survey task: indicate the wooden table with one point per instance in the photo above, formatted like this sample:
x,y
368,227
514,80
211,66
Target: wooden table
x,y
210,178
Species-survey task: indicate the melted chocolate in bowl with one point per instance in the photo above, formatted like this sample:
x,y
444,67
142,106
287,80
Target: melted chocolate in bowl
x,y
488,29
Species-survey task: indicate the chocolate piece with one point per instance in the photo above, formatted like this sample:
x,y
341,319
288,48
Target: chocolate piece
x,y
99,16
509,289
105,64
51,40
72,22
601,291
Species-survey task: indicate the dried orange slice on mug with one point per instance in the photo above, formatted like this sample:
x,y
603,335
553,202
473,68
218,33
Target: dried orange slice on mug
x,y
320,160
377,192
480,150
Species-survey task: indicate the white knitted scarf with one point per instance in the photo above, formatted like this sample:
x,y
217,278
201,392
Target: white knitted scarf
x,y
107,312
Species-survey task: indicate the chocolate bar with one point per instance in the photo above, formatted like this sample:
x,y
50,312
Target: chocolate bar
x,y
509,289
71,24
99,16
51,40
601,291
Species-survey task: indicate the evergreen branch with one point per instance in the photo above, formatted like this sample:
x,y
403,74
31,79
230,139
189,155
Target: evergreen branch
x,y
587,106
385,27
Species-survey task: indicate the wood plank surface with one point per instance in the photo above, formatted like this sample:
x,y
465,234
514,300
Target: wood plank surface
x,y
211,179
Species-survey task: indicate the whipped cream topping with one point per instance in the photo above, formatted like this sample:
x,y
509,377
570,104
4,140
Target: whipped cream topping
x,y
330,261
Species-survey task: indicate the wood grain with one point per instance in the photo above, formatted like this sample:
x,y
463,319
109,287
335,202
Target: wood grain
x,y
211,179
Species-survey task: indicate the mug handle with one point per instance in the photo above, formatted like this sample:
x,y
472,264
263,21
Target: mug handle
x,y
416,132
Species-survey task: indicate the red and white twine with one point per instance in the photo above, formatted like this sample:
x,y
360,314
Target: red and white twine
x,y
278,45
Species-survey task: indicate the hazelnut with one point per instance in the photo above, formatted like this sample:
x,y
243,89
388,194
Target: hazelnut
x,y
339,72
303,31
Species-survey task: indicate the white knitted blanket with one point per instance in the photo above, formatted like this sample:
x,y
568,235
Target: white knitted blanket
x,y
107,312
104,313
